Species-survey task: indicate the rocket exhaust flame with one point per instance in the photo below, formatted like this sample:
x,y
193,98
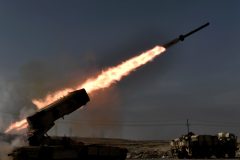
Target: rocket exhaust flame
x,y
17,126
105,79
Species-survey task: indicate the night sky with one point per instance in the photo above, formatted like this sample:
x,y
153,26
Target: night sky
x,y
49,45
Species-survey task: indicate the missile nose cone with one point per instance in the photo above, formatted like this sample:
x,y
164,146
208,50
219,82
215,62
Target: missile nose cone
x,y
195,30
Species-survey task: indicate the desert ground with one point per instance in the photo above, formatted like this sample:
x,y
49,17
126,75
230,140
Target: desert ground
x,y
141,150
137,149
151,149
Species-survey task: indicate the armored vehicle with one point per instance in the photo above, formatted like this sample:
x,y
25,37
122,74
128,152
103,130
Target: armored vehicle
x,y
63,148
221,145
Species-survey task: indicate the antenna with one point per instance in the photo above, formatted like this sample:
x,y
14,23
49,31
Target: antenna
x,y
187,124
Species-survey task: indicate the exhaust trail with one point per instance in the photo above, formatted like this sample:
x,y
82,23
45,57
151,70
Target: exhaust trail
x,y
105,79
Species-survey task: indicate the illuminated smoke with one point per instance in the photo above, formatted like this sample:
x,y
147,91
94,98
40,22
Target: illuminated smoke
x,y
103,80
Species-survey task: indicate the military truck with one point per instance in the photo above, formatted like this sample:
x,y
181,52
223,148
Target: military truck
x,y
227,145
44,147
221,145
203,146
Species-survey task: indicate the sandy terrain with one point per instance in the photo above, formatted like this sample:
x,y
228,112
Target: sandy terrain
x,y
154,149
136,149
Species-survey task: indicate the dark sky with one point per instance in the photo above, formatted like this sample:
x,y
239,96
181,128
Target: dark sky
x,y
49,45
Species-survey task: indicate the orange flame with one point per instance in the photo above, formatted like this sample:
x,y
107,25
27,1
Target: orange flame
x,y
114,74
17,126
103,80
106,78
51,98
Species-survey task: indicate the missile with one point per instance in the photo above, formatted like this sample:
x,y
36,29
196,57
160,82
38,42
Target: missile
x,y
182,37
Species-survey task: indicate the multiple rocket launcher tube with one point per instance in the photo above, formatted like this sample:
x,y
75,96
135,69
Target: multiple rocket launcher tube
x,y
43,120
